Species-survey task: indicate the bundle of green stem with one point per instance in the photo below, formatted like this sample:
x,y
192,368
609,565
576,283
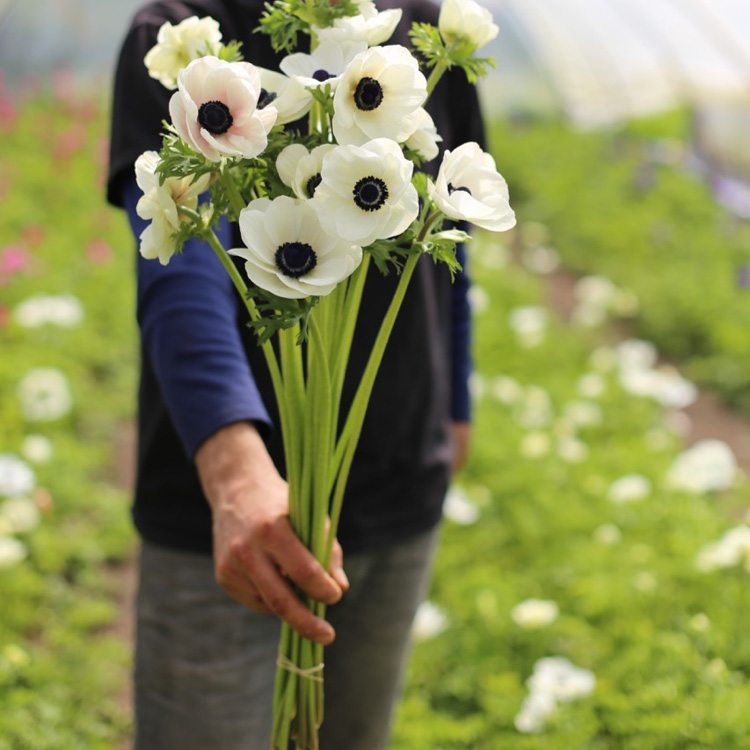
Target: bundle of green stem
x,y
318,461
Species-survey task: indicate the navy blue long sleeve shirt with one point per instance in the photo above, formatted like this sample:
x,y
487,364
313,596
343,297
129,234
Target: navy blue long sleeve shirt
x,y
187,312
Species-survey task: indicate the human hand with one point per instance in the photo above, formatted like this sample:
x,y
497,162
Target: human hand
x,y
461,435
255,548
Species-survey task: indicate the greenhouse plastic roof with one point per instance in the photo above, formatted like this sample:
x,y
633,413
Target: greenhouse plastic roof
x,y
611,59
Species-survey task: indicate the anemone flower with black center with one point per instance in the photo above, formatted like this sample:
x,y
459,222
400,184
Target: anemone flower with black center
x,y
299,168
288,253
215,109
380,95
365,193
324,65
469,188
287,95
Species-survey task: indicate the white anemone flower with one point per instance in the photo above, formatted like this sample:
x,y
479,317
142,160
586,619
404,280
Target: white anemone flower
x,y
288,96
469,187
369,25
324,65
178,44
44,394
709,466
300,169
288,253
217,109
159,205
16,476
366,192
531,614
466,22
380,95
62,310
424,140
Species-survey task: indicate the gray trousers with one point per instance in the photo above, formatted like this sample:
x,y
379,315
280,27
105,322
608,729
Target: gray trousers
x,y
205,665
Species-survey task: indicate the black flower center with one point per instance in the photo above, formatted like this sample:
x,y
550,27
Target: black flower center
x,y
295,259
312,184
265,98
215,117
322,75
368,94
370,193
452,189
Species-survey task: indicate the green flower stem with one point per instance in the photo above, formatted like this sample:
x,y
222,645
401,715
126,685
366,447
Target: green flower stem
x,y
435,76
233,193
241,287
355,419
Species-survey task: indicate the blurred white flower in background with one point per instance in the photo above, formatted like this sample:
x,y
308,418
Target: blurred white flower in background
x,y
44,394
37,449
535,445
540,259
607,534
708,466
506,389
479,299
629,488
62,310
535,613
18,515
603,359
597,297
429,621
477,385
572,450
529,323
583,413
535,408
459,508
635,354
700,623
639,376
554,680
494,256
16,476
591,385
733,549
645,581
12,552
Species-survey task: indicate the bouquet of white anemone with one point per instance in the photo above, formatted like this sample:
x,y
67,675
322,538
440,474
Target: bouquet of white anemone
x,y
314,209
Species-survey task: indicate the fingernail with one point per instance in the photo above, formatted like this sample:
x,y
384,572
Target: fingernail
x,y
326,635
342,578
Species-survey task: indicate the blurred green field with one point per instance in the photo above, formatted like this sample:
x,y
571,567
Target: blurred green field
x,y
540,513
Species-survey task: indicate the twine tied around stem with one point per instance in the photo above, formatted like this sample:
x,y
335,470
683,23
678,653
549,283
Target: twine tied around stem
x,y
309,673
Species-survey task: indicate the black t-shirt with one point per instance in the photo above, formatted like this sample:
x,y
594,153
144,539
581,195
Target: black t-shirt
x,y
400,470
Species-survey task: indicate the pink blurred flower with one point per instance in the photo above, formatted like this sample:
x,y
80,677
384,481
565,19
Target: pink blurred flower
x,y
63,86
13,259
99,252
68,142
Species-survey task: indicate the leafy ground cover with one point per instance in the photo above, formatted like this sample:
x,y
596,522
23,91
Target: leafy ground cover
x,y
579,532
630,205
66,382
581,536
